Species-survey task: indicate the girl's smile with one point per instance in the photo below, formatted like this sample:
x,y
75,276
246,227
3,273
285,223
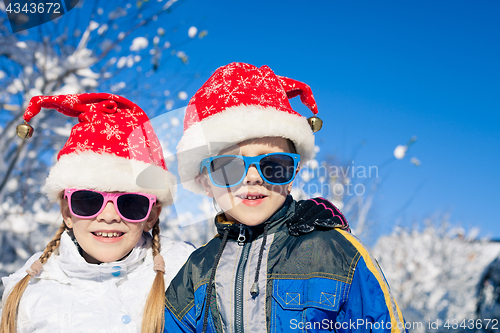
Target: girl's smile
x,y
108,236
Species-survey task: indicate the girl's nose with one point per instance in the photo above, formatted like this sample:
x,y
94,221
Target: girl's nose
x,y
109,214
253,177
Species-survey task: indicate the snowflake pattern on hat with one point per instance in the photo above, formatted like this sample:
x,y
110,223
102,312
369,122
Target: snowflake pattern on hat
x,y
239,83
107,123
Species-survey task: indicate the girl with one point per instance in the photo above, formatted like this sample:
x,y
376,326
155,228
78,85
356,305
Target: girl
x,y
111,181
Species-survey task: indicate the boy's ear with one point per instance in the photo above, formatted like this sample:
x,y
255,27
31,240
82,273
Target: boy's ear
x,y
153,217
66,214
205,182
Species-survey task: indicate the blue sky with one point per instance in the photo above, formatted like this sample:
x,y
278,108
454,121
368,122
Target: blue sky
x,y
382,72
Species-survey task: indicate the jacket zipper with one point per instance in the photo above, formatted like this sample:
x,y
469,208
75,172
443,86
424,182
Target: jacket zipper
x,y
238,290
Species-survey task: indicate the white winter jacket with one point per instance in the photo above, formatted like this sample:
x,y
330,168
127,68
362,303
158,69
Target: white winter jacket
x,y
71,295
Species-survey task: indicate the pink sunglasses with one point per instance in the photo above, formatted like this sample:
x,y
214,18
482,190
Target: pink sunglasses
x,y
87,204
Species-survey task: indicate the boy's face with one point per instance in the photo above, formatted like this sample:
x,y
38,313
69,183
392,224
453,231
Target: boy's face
x,y
252,201
89,233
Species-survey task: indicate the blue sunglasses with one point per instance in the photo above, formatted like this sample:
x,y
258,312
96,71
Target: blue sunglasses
x,y
230,170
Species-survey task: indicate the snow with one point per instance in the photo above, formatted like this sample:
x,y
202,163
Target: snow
x,y
175,122
130,61
312,164
118,86
87,72
305,175
169,104
400,151
15,87
121,62
87,82
93,25
102,29
182,95
63,131
139,43
192,32
82,57
12,184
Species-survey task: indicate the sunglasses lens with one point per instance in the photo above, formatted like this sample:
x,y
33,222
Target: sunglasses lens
x,y
227,171
134,207
278,168
86,203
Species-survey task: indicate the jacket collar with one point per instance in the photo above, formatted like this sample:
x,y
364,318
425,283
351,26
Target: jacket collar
x,y
244,233
75,266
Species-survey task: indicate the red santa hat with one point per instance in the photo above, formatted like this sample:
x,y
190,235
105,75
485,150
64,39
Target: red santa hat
x,y
113,147
240,102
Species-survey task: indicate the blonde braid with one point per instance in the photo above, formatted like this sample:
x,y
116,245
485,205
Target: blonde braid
x,y
53,244
153,320
10,308
156,239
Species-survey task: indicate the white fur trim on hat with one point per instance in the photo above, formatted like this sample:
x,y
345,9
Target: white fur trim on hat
x,y
234,125
109,173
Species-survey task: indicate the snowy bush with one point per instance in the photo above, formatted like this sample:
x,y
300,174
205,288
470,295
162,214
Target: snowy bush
x,y
488,303
434,273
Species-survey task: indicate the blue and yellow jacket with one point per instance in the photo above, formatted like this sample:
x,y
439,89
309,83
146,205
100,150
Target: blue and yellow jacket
x,y
287,274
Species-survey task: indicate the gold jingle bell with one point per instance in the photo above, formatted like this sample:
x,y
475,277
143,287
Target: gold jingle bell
x,y
24,131
315,123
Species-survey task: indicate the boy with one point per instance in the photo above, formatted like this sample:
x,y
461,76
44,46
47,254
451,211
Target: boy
x,y
277,265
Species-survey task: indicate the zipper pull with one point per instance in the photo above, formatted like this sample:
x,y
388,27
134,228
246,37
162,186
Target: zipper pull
x,y
241,237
